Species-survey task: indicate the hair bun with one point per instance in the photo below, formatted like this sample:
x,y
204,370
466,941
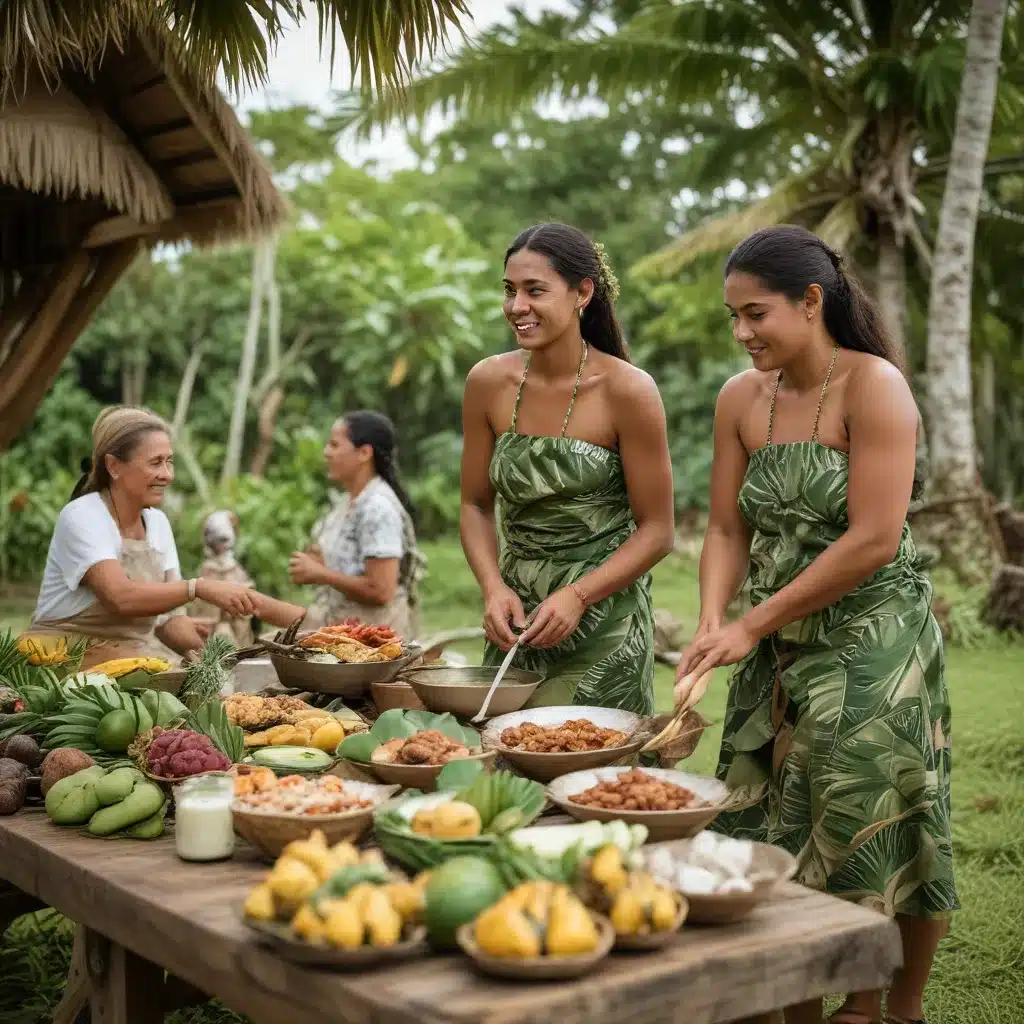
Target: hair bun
x,y
86,465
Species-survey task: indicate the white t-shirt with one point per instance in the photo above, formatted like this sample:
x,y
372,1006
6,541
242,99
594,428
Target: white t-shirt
x,y
85,535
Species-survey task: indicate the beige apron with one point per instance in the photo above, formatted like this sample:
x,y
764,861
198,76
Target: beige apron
x,y
114,636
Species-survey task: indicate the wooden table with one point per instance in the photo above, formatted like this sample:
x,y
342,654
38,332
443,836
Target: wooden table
x,y
138,905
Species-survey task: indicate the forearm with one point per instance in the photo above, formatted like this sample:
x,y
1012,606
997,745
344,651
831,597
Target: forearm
x,y
638,554
724,563
180,634
480,544
138,600
278,613
358,588
843,565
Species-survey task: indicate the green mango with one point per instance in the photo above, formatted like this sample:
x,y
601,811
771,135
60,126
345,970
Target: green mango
x,y
116,785
152,828
73,801
144,800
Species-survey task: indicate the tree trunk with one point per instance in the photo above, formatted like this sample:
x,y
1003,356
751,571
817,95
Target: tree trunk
x,y
247,365
964,541
188,381
267,421
891,285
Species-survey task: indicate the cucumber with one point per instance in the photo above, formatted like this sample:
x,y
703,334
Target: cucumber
x,y
292,759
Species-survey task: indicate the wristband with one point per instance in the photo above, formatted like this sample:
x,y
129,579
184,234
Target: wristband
x,y
578,590
192,584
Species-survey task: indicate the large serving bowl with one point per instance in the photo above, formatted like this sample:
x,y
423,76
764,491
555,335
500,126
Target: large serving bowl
x,y
339,680
396,694
545,767
416,776
462,690
271,831
661,825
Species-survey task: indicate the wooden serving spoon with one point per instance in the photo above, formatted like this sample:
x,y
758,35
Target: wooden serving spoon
x,y
690,689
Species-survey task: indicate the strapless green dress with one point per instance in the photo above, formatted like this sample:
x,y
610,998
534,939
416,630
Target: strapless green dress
x,y
841,720
565,510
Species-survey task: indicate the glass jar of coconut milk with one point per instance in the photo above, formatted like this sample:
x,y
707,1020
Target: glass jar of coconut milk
x,y
204,828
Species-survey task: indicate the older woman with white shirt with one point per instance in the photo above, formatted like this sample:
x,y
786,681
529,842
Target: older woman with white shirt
x,y
112,573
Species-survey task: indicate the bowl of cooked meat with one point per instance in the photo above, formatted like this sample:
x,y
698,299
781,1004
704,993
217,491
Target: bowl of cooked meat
x,y
544,743
671,804
341,666
461,690
416,761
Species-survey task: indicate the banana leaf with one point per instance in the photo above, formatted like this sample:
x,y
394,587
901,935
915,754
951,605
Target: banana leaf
x,y
399,724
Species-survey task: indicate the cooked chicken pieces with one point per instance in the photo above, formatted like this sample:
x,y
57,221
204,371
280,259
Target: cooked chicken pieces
x,y
576,735
429,746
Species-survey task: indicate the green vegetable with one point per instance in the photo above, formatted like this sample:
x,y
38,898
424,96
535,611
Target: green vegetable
x,y
116,785
144,800
73,801
211,719
456,892
116,731
151,828
399,724
519,864
338,885
289,760
137,680
497,793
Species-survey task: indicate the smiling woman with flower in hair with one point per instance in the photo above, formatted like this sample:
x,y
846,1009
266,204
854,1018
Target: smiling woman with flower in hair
x,y
571,436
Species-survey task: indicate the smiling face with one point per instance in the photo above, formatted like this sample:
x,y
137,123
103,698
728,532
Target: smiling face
x,y
540,304
147,472
771,327
344,461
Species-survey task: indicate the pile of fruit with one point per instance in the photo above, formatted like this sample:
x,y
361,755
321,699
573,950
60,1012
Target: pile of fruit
x,y
120,802
333,896
635,902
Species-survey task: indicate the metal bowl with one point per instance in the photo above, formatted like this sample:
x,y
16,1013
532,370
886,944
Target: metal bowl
x,y
461,691
545,767
340,680
661,825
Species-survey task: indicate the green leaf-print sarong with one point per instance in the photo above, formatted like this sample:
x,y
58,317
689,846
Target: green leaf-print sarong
x,y
843,717
565,510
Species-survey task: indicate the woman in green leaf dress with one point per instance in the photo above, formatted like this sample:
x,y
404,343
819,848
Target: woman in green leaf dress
x,y
572,439
838,712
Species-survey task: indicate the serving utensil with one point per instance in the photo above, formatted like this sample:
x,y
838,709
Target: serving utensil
x,y
482,713
692,687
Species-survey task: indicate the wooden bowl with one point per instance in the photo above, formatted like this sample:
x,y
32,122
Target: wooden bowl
x,y
770,866
416,776
538,968
271,832
656,940
462,690
282,940
396,694
661,825
339,680
545,767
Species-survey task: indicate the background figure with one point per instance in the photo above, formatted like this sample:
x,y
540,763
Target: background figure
x,y
220,533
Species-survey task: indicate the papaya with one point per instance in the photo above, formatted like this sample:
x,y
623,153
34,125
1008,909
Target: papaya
x,y
144,800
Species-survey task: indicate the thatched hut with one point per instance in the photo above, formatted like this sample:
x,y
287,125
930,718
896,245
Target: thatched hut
x,y
95,165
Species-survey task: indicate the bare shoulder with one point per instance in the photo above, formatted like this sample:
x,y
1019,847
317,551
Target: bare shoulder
x,y
741,390
490,374
624,382
877,388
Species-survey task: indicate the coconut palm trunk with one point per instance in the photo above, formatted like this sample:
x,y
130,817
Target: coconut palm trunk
x,y
965,539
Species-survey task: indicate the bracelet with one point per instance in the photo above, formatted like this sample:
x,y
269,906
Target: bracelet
x,y
580,593
192,584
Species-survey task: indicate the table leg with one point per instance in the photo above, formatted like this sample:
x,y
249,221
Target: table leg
x,y
125,988
77,987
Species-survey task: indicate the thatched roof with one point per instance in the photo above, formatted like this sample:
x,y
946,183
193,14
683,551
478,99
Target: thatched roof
x,y
94,165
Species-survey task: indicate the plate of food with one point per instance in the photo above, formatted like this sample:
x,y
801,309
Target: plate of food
x,y
545,743
287,721
410,748
671,804
270,815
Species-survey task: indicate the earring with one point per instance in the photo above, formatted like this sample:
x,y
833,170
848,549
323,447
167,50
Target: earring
x,y
579,310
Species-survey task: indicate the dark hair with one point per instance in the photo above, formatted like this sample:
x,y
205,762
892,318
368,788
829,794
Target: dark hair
x,y
573,256
788,259
118,431
376,430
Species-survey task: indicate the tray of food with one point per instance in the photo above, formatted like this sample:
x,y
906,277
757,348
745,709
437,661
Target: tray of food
x,y
545,743
671,804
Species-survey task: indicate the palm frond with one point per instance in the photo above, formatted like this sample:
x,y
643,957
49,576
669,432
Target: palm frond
x,y
798,197
841,224
383,40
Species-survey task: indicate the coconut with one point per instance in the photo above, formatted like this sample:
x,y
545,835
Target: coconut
x,y
23,749
62,762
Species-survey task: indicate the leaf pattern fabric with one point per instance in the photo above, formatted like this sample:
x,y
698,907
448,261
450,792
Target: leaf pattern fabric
x,y
841,719
564,511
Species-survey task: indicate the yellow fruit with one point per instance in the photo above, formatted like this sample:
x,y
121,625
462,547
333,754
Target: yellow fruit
x,y
420,881
259,904
663,911
313,853
124,666
455,820
38,650
343,855
406,898
292,881
383,922
307,924
343,927
628,916
328,736
371,857
608,870
571,929
360,894
506,932
423,822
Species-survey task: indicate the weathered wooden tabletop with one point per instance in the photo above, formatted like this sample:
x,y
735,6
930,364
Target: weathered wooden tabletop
x,y
185,918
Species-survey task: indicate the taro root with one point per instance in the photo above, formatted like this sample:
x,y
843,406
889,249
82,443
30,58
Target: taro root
x,y
13,785
23,749
62,762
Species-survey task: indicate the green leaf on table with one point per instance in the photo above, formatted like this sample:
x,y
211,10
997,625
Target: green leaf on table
x,y
393,725
459,775
358,747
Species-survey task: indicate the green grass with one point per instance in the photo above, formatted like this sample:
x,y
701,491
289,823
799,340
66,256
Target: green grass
x,y
979,972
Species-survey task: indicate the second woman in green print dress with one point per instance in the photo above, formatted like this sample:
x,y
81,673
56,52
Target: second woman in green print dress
x,y
572,439
838,710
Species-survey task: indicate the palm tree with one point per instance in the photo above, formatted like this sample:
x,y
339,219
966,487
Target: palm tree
x,y
231,36
832,111
953,468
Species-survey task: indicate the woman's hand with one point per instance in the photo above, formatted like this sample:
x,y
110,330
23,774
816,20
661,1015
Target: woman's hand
x,y
502,610
305,568
232,598
721,645
555,618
